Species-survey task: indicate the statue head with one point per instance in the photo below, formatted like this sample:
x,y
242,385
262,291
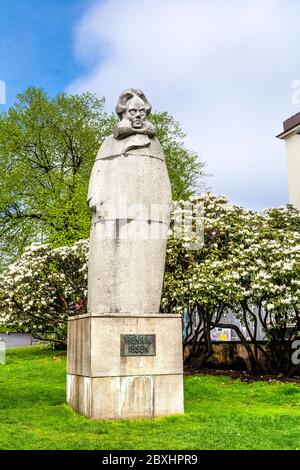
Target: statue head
x,y
132,109
135,112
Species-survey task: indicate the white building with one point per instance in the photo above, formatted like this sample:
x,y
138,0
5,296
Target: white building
x,y
291,135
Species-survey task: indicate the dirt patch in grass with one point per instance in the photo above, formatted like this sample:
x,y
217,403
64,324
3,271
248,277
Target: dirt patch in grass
x,y
244,376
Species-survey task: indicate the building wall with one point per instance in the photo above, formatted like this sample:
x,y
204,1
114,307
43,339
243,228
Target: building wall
x,y
230,355
225,334
293,161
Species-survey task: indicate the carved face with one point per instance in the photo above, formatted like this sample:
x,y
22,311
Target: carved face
x,y
135,112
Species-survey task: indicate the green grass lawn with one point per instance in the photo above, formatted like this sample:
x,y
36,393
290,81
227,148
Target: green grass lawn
x,y
220,413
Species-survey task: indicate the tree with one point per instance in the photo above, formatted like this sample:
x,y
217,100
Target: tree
x,y
271,289
47,149
185,169
204,280
43,288
249,265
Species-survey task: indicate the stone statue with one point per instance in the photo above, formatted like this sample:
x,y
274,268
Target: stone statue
x,y
124,356
130,196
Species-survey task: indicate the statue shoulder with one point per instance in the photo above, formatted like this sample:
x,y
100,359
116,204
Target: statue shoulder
x,y
155,143
156,148
108,147
135,144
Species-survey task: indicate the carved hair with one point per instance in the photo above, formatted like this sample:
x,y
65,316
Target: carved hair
x,y
127,95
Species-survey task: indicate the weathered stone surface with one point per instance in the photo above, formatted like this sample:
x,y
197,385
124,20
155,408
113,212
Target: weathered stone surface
x,y
79,393
130,196
103,334
168,395
104,385
143,396
79,346
131,185
125,276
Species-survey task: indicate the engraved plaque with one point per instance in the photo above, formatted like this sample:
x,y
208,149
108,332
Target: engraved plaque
x,y
138,345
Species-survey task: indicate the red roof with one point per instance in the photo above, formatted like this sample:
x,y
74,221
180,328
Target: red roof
x,y
291,122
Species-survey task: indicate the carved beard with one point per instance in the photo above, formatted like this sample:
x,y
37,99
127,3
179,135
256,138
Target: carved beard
x,y
124,129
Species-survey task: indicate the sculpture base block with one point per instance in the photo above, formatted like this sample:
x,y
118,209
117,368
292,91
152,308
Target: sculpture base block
x,y
107,380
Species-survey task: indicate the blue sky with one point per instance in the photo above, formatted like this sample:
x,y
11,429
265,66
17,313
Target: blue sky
x,y
36,44
224,69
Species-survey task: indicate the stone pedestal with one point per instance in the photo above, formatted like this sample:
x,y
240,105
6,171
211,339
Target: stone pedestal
x,y
105,381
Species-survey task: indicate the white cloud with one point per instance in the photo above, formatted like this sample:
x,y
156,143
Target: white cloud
x,y
224,69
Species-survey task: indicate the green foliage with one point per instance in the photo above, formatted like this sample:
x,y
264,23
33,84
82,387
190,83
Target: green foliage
x,y
47,150
184,167
249,265
220,413
42,288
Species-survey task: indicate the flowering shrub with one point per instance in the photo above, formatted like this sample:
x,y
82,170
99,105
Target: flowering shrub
x,y
249,264
44,287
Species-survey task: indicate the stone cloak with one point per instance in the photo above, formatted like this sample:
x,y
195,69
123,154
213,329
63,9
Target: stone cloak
x,y
130,194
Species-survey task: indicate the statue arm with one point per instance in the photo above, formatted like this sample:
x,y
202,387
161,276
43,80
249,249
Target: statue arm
x,y
92,198
93,190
